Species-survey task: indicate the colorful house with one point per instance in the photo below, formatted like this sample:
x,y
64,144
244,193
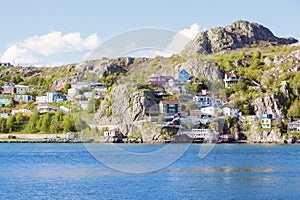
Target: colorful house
x,y
169,107
9,88
4,101
183,76
265,120
159,80
50,97
23,98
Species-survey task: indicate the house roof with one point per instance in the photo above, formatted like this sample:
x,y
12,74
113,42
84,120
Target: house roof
x,y
232,73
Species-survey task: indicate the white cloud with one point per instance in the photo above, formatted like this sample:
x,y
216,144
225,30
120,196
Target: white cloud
x,y
183,37
14,54
31,50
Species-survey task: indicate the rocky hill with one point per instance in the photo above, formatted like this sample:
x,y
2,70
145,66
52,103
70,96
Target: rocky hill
x,y
239,34
268,66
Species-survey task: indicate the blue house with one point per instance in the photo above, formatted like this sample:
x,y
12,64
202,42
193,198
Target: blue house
x,y
4,101
23,98
183,76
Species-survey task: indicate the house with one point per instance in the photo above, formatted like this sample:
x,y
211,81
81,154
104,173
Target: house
x,y
112,133
233,112
183,76
8,88
195,113
50,97
90,85
24,111
249,119
5,115
169,107
210,110
4,101
265,120
231,78
23,98
5,64
159,80
22,89
293,126
72,92
43,108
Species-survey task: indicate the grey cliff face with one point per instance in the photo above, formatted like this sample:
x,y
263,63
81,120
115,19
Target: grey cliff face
x,y
201,68
237,35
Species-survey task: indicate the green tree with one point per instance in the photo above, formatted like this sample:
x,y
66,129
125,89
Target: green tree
x,y
46,122
294,111
10,123
3,125
33,122
69,123
66,87
55,126
257,54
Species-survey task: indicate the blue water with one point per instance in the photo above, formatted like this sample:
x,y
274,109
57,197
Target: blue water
x,y
69,171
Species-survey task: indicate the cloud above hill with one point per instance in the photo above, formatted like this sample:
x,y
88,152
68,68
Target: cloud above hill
x,y
32,50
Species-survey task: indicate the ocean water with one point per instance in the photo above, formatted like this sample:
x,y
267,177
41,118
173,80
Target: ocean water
x,y
69,171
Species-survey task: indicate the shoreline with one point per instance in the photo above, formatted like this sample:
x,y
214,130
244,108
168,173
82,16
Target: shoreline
x,y
81,141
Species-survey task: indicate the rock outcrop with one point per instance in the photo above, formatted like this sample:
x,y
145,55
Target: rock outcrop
x,y
126,111
268,104
201,68
237,35
264,136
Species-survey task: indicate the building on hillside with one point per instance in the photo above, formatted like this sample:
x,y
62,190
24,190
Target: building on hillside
x,y
294,126
5,64
183,76
248,119
50,97
233,112
22,89
9,88
23,110
5,115
23,98
72,92
169,106
210,110
231,78
4,101
196,113
159,80
89,85
265,120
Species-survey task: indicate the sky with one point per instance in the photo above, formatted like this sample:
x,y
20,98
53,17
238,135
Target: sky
x,y
55,32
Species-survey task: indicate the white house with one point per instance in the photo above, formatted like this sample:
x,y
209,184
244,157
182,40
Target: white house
x,y
50,98
22,89
294,126
72,92
113,133
210,110
24,111
231,78
233,112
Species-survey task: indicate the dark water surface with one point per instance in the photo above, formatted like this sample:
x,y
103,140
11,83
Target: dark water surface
x,y
69,171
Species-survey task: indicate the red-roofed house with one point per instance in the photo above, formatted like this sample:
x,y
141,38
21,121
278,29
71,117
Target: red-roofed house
x,y
231,78
169,107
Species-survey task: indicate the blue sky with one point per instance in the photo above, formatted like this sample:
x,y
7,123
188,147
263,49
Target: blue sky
x,y
26,23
